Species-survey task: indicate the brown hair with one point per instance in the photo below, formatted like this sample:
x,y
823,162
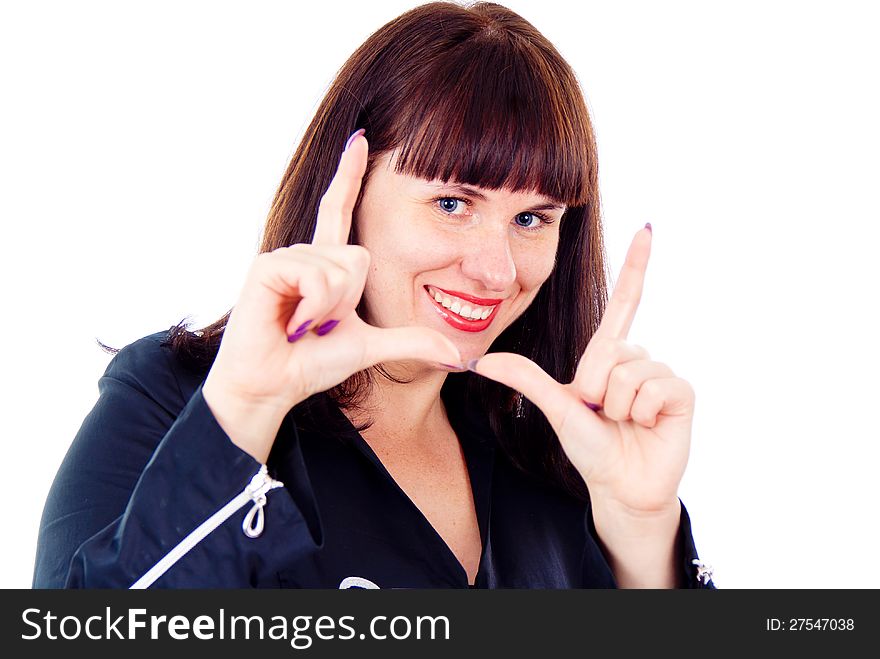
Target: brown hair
x,y
476,95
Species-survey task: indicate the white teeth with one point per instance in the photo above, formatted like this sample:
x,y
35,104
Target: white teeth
x,y
465,310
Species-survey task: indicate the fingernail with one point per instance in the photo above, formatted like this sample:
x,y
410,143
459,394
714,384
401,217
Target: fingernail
x,y
359,131
648,227
472,365
300,331
452,367
326,327
593,406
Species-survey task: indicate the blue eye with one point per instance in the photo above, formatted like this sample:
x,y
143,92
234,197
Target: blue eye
x,y
529,216
456,206
449,204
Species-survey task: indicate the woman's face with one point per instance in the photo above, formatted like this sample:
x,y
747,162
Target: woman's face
x,y
441,251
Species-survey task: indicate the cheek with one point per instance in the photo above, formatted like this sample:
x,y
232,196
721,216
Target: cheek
x,y
535,264
402,248
400,251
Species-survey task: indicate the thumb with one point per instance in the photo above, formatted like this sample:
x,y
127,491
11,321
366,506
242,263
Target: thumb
x,y
401,343
522,374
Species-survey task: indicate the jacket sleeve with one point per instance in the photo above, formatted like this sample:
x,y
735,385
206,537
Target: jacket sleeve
x,y
692,572
143,474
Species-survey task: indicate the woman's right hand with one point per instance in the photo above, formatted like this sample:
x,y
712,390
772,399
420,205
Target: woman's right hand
x,y
258,374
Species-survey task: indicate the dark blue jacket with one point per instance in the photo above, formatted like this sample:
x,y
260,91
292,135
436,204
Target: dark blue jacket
x,y
150,465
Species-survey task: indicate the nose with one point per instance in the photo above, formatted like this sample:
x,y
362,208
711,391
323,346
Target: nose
x,y
489,261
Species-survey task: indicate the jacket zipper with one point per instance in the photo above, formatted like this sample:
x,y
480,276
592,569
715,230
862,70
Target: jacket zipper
x,y
252,526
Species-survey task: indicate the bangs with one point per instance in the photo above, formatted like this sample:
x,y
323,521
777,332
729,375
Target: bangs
x,y
498,114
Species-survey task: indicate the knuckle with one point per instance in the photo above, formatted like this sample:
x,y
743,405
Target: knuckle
x,y
689,390
641,351
614,410
316,278
588,382
320,273
642,417
349,300
608,347
336,276
624,374
591,392
360,255
597,345
652,388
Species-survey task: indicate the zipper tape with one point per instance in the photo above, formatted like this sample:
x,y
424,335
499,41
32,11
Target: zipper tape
x,y
252,526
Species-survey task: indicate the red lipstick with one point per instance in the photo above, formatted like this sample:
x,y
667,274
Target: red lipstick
x,y
482,301
459,322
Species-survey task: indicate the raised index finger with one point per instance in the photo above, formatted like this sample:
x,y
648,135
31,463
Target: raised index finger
x,y
621,309
337,204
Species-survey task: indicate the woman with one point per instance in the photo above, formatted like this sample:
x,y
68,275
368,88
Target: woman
x,y
343,424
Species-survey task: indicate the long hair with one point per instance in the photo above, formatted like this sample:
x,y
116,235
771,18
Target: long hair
x,y
476,95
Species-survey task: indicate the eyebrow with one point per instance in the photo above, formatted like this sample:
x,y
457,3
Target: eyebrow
x,y
471,192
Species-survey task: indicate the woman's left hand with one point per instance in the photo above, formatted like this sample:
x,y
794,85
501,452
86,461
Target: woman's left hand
x,y
633,450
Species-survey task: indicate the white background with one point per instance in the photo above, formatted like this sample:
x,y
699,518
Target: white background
x,y
141,145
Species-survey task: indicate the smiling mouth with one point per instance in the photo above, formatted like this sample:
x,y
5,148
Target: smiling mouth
x,y
461,308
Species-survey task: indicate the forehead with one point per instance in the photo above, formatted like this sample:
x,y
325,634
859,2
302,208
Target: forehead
x,y
386,163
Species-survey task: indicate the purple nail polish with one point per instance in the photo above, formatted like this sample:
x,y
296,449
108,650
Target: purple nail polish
x,y
649,228
472,365
300,331
359,131
326,327
594,407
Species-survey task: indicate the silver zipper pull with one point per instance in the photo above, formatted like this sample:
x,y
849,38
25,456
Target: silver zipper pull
x,y
252,526
254,521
